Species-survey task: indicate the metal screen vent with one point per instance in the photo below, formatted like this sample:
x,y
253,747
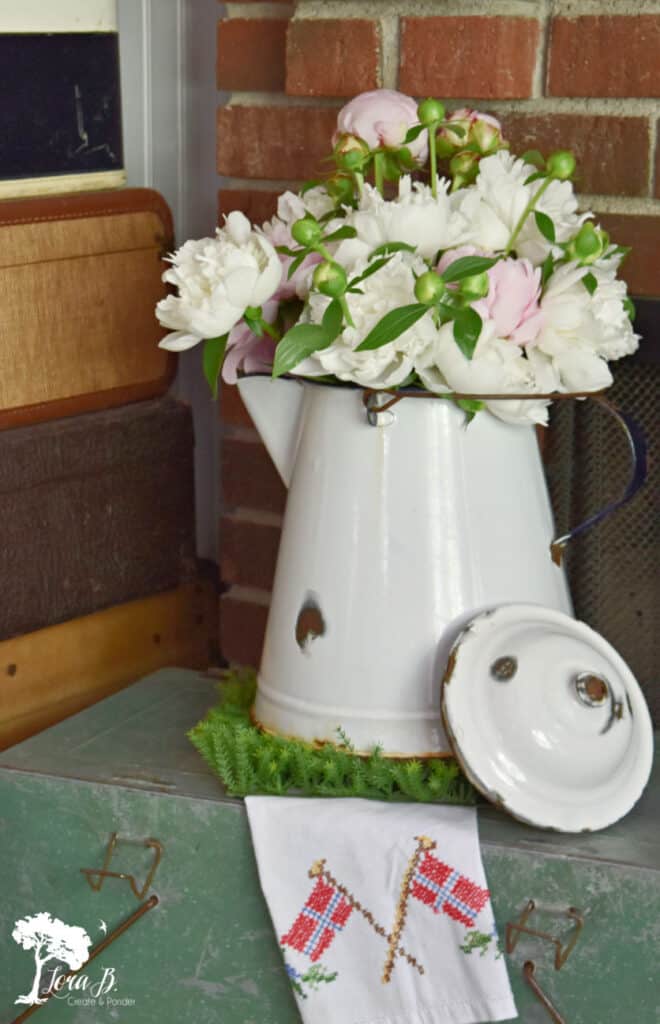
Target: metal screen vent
x,y
613,569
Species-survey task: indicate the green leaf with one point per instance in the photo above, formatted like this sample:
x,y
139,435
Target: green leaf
x,y
286,251
345,232
293,266
545,225
468,266
534,157
414,133
447,312
467,328
590,283
391,168
392,325
390,247
212,359
298,343
333,320
330,215
373,268
548,267
254,325
472,405
620,250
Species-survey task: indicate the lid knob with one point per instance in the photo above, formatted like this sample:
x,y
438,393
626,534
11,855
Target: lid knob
x,y
592,690
504,668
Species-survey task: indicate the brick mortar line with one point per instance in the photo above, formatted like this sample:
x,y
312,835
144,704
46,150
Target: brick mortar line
x,y
254,12
280,99
331,9
389,58
321,9
258,184
642,204
246,435
623,8
247,595
645,205
539,76
653,142
632,106
253,516
340,9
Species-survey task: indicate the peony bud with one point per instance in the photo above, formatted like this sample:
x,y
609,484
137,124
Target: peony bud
x,y
330,279
475,287
350,152
430,112
340,188
306,231
486,135
561,164
429,288
464,163
590,243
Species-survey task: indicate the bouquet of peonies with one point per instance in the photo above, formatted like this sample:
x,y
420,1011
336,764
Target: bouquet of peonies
x,y
483,282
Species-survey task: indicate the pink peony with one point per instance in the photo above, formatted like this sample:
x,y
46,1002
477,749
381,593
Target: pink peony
x,y
512,302
382,118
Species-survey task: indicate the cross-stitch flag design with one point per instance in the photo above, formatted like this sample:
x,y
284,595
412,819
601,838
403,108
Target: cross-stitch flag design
x,y
444,889
325,913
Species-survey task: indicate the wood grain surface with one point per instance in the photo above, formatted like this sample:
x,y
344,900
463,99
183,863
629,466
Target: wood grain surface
x,y
52,673
80,278
95,510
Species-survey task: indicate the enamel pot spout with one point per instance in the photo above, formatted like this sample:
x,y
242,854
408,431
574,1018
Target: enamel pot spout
x,y
275,407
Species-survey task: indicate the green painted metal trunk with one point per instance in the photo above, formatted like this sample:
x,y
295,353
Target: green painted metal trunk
x,y
207,953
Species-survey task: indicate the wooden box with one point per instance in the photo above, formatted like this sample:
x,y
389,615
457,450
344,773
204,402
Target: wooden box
x,y
207,952
96,510
80,277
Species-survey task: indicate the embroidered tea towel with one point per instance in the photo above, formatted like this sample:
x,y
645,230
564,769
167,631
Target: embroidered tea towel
x,y
381,910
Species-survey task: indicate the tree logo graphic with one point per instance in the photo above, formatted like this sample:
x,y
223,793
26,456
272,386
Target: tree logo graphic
x,y
50,939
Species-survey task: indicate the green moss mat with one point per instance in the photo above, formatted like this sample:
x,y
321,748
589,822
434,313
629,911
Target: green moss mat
x,y
250,761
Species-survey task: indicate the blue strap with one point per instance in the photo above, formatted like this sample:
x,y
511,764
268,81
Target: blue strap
x,y
639,471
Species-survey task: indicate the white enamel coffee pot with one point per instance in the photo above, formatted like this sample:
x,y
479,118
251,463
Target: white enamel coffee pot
x,y
399,528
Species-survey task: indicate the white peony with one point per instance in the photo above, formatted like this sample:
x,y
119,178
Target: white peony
x,y
489,212
414,217
582,331
497,367
385,367
217,279
292,206
617,337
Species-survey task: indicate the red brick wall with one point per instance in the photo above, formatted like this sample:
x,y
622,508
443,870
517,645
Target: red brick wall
x,y
582,74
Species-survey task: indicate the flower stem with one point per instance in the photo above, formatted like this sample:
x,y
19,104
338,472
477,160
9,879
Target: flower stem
x,y
271,330
324,251
346,311
433,155
379,171
359,181
525,214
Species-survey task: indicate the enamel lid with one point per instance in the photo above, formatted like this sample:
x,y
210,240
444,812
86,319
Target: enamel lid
x,y
546,719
